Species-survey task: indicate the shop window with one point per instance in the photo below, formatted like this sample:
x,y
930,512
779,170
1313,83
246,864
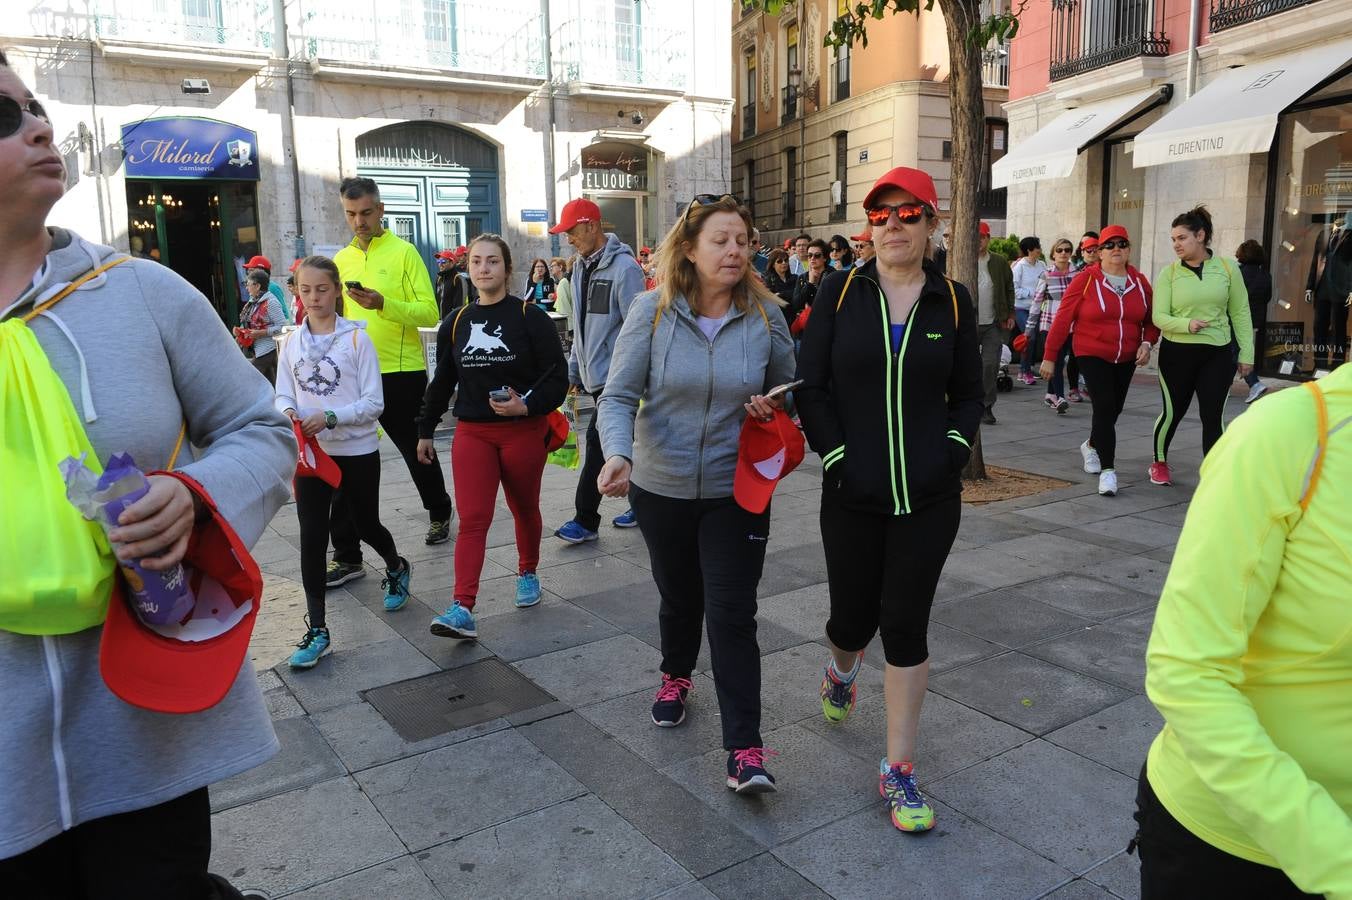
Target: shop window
x,y
790,186
840,73
1311,252
1123,189
842,164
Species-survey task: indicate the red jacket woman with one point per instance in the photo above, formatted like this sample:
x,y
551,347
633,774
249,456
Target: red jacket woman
x,y
1107,307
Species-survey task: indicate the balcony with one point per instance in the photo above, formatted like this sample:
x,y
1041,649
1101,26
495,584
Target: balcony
x,y
227,25
1091,34
1230,13
620,55
995,66
749,120
788,103
504,39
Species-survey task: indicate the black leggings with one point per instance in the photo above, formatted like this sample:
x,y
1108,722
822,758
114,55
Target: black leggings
x,y
403,397
587,498
1108,384
707,557
1187,369
159,851
314,503
1178,865
883,570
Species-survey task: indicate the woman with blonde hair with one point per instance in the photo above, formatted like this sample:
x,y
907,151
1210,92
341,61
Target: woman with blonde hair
x,y
700,352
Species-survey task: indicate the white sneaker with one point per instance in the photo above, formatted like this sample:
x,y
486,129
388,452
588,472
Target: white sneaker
x,y
1091,459
1258,390
1108,482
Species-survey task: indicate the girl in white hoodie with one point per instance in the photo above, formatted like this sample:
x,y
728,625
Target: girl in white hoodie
x,y
328,380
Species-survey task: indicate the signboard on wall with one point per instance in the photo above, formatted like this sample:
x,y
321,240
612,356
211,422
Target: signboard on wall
x,y
535,221
614,166
189,147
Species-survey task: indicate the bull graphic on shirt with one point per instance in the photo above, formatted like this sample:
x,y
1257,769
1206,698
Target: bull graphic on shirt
x,y
482,341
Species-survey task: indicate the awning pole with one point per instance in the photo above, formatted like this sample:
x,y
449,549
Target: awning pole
x,y
1194,16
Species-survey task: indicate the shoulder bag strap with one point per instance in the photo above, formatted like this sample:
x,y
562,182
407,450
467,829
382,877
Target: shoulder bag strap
x,y
845,287
70,288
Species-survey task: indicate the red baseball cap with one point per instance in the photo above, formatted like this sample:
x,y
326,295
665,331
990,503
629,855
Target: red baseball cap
x,y
575,211
189,666
766,452
444,254
865,235
1113,231
1089,243
259,262
984,229
913,180
647,250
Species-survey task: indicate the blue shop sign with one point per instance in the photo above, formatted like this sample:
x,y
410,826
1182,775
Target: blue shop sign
x,y
189,148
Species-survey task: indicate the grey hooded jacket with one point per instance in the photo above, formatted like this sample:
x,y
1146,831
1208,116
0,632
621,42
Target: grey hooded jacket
x,y
683,442
600,310
140,351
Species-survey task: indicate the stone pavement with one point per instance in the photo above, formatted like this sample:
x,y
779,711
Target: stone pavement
x,y
1033,731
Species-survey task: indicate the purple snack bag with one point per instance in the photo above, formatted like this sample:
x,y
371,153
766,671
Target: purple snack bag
x,y
159,598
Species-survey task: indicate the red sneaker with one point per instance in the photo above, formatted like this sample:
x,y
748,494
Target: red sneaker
x,y
1159,473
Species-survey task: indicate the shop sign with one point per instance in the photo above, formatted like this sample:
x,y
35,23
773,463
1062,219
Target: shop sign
x,y
189,148
612,166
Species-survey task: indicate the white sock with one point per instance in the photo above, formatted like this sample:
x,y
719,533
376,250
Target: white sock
x,y
850,675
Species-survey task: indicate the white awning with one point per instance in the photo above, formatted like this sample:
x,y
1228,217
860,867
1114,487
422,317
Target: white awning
x,y
1051,151
1237,112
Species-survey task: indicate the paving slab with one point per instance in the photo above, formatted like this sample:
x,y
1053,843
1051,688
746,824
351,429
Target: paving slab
x,y
1027,693
1120,874
1117,737
992,568
1110,652
246,849
1065,513
445,794
577,849
689,831
597,671
761,878
805,799
305,759
361,737
340,676
589,576
1144,532
1139,573
863,856
537,630
948,649
1008,617
1089,598
398,879
692,891
1090,804
791,682
1079,889
278,697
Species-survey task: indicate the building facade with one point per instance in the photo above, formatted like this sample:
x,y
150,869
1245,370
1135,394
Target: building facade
x,y
472,115
1131,113
814,128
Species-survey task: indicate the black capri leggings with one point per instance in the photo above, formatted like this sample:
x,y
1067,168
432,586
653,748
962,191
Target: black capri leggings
x,y
882,571
314,501
1186,369
1108,385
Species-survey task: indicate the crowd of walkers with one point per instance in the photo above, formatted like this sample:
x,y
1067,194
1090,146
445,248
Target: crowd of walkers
x,y
886,362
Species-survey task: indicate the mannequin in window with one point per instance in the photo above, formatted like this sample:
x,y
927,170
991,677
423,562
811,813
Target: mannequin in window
x,y
1329,288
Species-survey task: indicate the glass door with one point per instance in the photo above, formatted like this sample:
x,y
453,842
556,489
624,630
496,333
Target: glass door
x,y
450,231
623,215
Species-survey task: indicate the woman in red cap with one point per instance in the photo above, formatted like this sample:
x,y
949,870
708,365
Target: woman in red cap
x,y
262,262
891,399
1108,307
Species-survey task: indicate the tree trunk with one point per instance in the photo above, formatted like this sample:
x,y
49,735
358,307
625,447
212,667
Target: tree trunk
x,y
967,111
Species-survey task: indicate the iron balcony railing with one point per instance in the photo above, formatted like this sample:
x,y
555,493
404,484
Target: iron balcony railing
x,y
222,24
488,38
1091,34
995,66
1229,13
749,120
788,104
602,51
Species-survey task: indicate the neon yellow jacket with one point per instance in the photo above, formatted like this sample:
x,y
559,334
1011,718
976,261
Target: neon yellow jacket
x,y
392,266
1219,297
1250,660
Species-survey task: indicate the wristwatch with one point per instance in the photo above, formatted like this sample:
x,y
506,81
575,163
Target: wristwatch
x,y
330,420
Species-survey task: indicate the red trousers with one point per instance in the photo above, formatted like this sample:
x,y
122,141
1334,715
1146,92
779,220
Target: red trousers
x,y
484,455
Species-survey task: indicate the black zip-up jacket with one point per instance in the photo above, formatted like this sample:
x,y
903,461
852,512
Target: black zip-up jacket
x,y
482,348
893,429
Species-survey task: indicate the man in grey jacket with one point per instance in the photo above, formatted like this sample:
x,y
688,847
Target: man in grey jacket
x,y
606,279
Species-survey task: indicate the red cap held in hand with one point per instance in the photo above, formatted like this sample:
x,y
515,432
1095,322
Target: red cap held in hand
x,y
766,452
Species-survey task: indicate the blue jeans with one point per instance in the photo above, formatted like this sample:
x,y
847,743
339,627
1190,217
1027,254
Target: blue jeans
x,y
1020,323
1057,385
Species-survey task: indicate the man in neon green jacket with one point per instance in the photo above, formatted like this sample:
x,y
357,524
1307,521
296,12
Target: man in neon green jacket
x,y
394,298
1247,791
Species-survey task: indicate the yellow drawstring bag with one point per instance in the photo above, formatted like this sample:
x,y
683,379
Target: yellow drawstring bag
x,y
57,567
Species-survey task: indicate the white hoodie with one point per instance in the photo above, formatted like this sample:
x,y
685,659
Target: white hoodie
x,y
337,372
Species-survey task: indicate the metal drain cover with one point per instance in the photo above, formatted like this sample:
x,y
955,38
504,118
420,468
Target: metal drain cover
x,y
429,705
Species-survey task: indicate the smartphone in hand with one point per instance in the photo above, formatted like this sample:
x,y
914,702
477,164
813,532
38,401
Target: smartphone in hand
x,y
354,285
780,389
502,395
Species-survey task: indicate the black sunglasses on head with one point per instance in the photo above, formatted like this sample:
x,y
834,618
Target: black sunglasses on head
x,y
708,200
11,114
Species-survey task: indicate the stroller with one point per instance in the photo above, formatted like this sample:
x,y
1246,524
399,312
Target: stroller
x,y
1004,382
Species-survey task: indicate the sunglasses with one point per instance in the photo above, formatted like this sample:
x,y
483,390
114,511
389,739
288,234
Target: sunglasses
x,y
1061,249
11,114
816,254
908,213
1115,245
708,200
